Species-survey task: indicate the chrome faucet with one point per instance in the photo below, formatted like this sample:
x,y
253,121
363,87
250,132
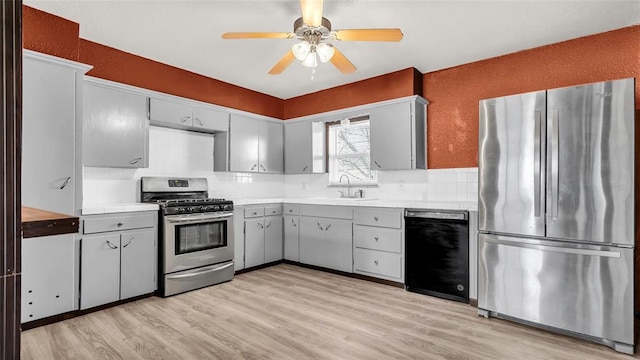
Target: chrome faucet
x,y
348,185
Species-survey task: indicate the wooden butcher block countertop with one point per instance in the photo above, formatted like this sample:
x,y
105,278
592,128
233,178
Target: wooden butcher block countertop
x,y
36,222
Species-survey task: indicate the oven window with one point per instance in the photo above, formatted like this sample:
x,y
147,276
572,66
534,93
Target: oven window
x,y
198,237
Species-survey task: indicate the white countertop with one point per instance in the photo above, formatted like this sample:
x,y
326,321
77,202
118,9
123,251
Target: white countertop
x,y
95,209
390,203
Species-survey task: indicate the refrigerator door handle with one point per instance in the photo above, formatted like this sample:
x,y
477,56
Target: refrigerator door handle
x,y
575,251
554,161
536,163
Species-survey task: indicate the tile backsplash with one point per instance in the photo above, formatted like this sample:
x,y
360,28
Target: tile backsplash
x,y
181,153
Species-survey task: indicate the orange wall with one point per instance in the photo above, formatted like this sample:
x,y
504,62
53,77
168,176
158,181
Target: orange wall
x,y
57,36
454,93
397,84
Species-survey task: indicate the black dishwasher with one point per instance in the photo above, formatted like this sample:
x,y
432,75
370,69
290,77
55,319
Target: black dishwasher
x,y
437,253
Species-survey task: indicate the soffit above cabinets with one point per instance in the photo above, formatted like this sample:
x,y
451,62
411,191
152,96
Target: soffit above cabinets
x,y
437,34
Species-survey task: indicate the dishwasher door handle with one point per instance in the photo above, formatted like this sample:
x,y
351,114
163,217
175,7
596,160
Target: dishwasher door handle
x,y
445,215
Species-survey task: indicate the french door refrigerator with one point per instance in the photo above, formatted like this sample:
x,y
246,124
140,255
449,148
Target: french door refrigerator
x,y
557,210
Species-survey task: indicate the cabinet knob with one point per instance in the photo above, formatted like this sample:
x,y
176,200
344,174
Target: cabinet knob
x,y
119,224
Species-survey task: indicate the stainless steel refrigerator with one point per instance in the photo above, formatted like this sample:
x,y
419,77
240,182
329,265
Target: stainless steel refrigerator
x,y
557,210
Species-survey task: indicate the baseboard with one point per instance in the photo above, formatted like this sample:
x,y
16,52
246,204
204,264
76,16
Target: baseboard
x,y
473,302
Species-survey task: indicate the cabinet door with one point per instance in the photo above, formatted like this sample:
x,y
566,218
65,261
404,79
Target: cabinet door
x,y
291,239
100,270
115,128
137,263
162,112
48,136
339,244
253,242
48,276
244,139
271,147
210,120
391,137
273,241
297,148
238,241
313,249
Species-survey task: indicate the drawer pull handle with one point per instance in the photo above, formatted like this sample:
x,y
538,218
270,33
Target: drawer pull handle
x,y
375,218
199,121
135,161
268,225
320,227
66,181
305,168
375,262
376,238
294,223
127,244
261,226
327,228
109,244
119,224
253,167
185,118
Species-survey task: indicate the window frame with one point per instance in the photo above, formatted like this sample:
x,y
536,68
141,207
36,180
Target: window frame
x,y
333,182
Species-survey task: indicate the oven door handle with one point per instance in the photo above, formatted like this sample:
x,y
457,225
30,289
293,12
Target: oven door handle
x,y
195,219
203,271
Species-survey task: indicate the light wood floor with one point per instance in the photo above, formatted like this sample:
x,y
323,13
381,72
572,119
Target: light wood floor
x,y
289,312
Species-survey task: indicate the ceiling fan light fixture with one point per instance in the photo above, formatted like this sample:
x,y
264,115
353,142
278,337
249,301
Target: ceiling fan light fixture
x,y
311,60
325,52
301,50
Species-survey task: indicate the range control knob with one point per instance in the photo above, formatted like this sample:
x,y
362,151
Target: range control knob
x,y
204,208
215,208
181,209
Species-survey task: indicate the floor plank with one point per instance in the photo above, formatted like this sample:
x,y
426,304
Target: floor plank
x,y
290,312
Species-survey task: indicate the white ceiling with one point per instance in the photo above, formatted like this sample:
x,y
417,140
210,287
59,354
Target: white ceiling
x,y
437,34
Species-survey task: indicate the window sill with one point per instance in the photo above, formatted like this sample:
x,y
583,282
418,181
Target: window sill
x,y
353,186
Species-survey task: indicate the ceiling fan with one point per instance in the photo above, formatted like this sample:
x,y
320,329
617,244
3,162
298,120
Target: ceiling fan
x,y
313,31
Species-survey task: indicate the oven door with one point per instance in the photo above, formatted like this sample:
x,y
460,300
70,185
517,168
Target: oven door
x,y
196,240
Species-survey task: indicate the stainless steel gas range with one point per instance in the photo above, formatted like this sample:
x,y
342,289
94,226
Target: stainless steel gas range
x,y
196,234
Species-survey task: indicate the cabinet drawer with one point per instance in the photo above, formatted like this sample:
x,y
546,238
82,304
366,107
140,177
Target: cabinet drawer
x,y
253,212
376,238
273,210
378,263
327,211
379,217
122,221
291,209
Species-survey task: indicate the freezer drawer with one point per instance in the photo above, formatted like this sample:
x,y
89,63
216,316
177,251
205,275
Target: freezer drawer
x,y
586,289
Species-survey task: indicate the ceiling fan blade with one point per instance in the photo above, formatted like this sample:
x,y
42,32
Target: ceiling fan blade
x,y
368,35
258,35
284,62
342,63
311,12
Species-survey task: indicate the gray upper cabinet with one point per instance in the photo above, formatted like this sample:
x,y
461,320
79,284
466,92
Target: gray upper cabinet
x,y
254,145
184,116
398,136
298,148
304,146
115,128
50,119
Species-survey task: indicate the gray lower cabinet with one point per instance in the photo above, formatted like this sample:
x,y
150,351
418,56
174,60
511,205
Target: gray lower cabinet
x,y
252,145
326,241
263,235
116,265
291,232
49,267
50,118
378,243
398,135
115,128
187,117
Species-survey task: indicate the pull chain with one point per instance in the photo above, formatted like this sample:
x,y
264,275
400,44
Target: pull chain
x,y
313,73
